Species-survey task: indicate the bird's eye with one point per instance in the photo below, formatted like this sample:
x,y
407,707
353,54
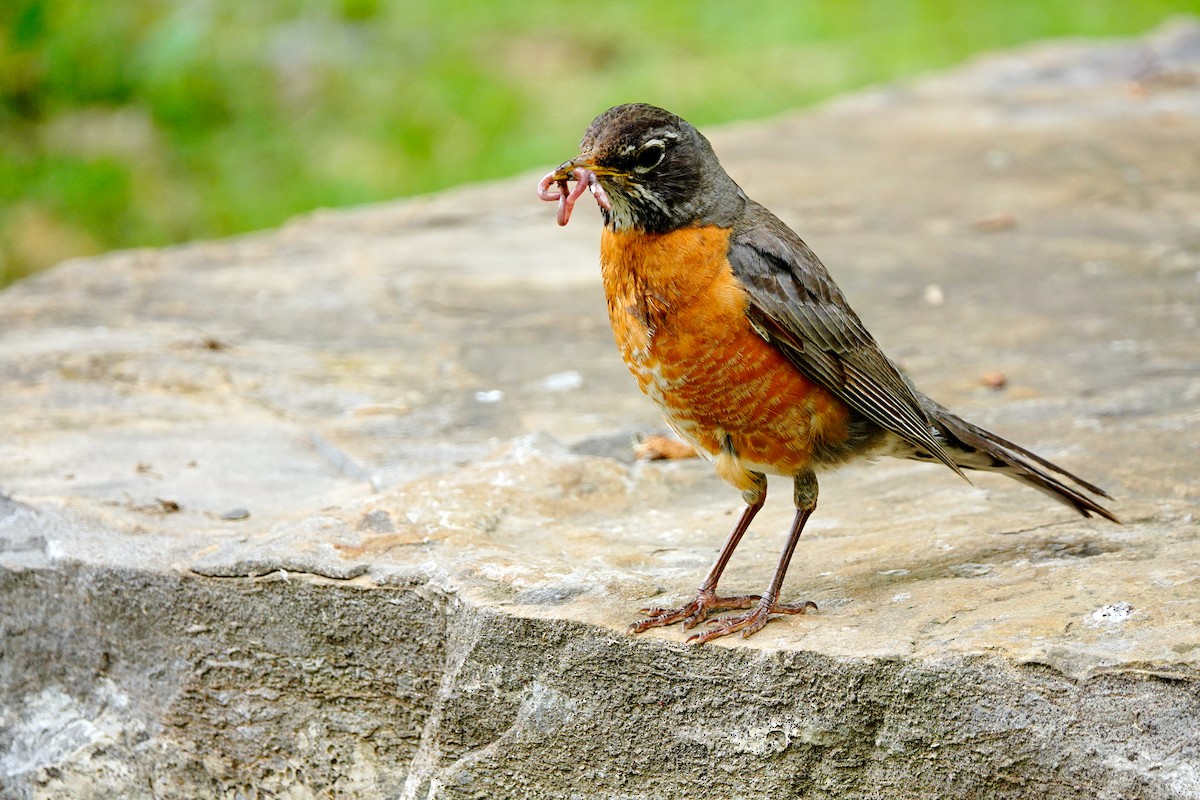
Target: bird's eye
x,y
649,156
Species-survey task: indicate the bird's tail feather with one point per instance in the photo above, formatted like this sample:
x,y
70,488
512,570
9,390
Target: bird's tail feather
x,y
972,447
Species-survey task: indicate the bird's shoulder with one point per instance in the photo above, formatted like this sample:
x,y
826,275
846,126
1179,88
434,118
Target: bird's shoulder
x,y
787,280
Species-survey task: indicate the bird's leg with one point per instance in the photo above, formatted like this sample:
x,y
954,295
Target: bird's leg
x,y
706,599
805,495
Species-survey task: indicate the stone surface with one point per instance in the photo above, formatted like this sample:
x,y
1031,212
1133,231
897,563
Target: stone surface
x,y
348,509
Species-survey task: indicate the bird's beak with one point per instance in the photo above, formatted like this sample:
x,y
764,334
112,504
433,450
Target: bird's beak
x,y
585,160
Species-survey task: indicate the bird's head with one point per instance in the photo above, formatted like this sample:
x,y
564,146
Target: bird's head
x,y
658,172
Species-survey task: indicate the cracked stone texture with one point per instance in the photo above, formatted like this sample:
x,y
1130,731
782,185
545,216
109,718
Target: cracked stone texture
x,y
348,509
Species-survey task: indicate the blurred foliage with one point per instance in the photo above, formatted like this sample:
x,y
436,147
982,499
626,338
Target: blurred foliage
x,y
143,123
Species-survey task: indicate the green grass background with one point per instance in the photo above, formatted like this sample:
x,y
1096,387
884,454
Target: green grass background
x,y
140,122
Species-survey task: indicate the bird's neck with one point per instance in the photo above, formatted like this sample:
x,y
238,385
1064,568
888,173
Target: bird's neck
x,y
715,200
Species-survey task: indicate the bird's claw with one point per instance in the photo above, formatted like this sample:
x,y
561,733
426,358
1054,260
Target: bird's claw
x,y
750,622
693,613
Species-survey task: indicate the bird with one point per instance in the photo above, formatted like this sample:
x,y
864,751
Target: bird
x,y
736,330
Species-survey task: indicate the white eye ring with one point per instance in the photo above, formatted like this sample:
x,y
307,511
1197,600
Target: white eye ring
x,y
650,155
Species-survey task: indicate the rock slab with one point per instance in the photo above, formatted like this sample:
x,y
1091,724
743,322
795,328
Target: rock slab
x,y
347,509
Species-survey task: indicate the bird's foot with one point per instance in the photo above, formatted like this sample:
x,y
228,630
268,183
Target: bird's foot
x,y
691,614
753,620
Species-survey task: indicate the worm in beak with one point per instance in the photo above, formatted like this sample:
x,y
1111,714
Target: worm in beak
x,y
566,195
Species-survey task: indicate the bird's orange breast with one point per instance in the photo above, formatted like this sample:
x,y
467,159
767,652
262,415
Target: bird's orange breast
x,y
679,317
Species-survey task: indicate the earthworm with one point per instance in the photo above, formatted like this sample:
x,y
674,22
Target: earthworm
x,y
566,196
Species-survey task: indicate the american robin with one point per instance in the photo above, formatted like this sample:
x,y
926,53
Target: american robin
x,y
731,324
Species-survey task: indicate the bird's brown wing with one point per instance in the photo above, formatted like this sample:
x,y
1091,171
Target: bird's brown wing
x,y
795,305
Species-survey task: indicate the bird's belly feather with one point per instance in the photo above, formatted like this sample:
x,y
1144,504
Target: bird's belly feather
x,y
679,318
